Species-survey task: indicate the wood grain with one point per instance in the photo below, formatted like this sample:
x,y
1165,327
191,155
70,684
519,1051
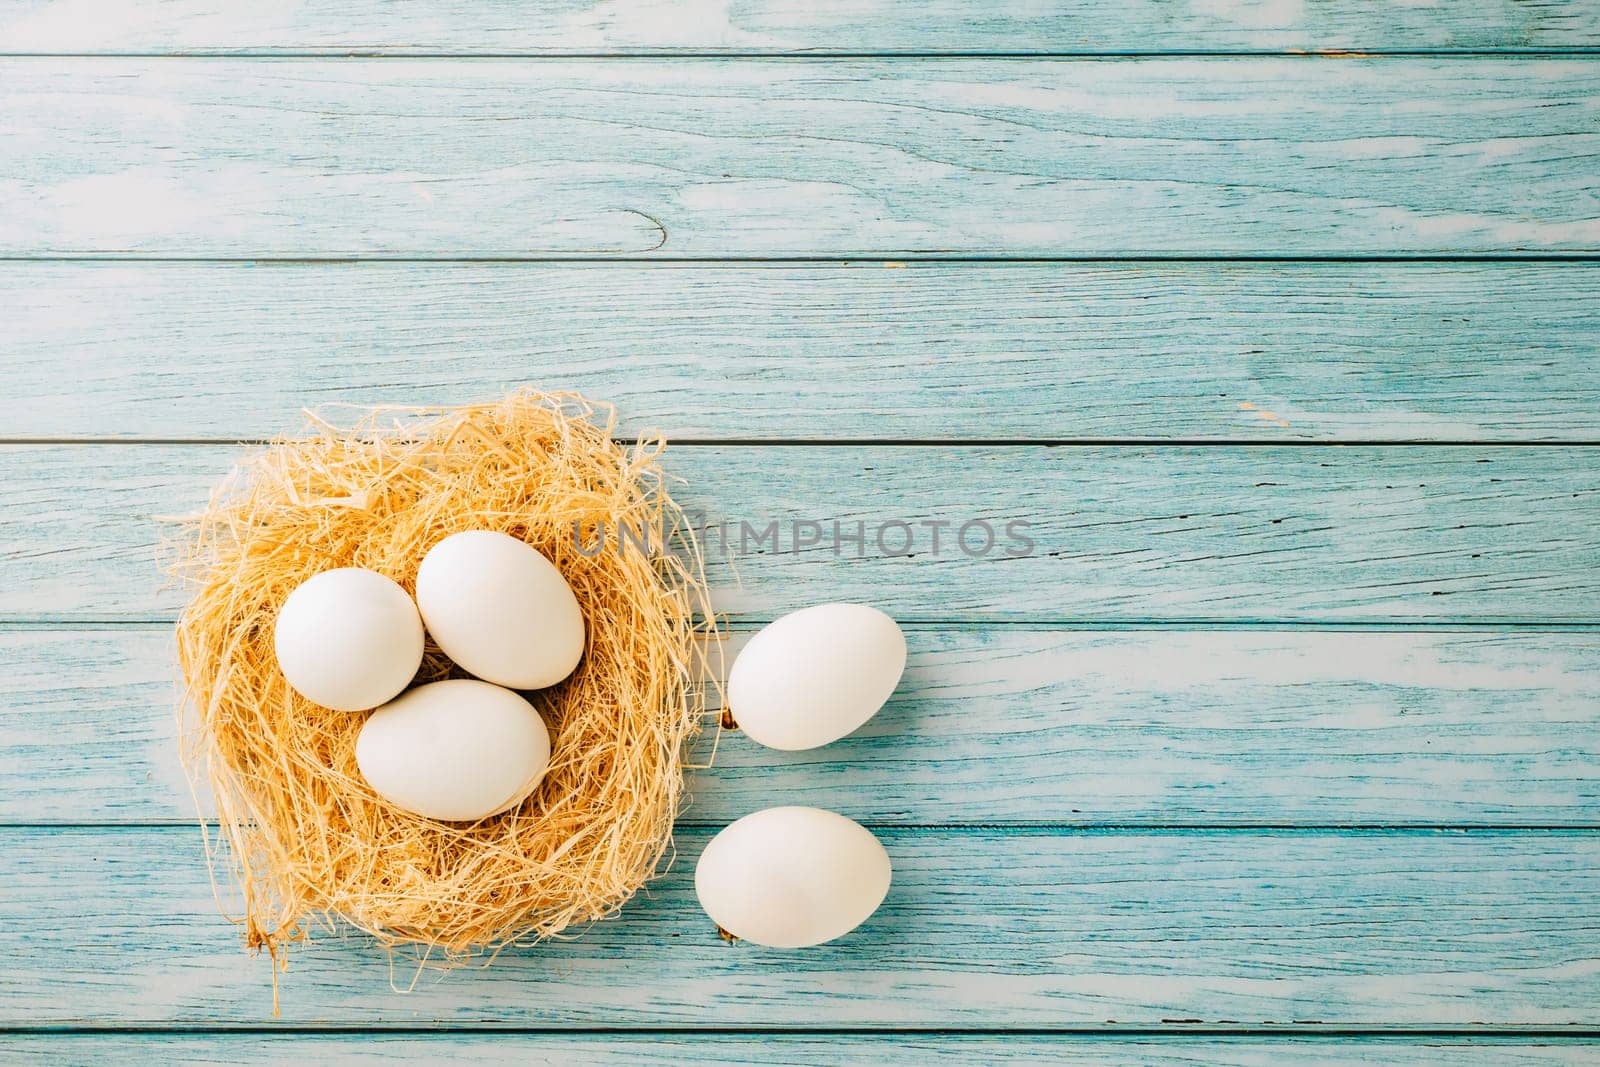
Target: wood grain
x,y
1143,780
1282,351
705,158
981,929
474,27
821,1050
1002,726
1373,534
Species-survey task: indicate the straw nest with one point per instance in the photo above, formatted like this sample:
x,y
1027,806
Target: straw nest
x,y
304,836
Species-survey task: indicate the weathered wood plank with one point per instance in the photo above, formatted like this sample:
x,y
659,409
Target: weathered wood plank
x,y
822,1050
981,928
1117,533
1004,726
1307,351
703,158
472,27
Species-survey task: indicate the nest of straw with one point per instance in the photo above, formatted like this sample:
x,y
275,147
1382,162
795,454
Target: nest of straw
x,y
304,836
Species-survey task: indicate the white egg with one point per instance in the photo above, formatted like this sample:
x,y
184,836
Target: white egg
x,y
348,639
457,751
791,877
500,610
815,675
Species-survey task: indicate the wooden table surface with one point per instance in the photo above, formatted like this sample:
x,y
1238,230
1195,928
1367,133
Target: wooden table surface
x,y
1278,322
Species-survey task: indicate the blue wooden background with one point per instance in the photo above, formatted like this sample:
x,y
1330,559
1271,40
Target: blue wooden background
x,y
1279,319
